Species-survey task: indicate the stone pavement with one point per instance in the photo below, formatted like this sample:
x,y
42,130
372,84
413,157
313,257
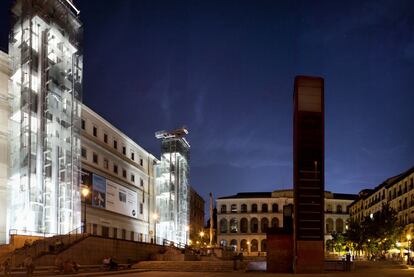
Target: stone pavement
x,y
363,269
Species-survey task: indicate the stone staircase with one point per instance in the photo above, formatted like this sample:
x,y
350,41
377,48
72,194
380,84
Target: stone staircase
x,y
186,266
43,247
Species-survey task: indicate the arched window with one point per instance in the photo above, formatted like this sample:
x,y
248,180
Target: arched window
x,y
233,226
339,209
243,225
233,244
329,208
223,225
223,209
223,243
243,245
254,245
329,225
243,208
264,208
264,224
233,208
339,225
275,208
275,222
263,245
254,208
254,225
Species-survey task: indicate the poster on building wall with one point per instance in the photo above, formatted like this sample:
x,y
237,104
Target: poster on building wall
x,y
99,191
121,200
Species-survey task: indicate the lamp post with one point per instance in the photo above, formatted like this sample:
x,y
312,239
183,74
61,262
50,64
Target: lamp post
x,y
201,236
409,246
155,218
85,193
187,229
248,248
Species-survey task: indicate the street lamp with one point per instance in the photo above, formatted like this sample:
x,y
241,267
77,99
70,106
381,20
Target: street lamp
x,y
187,228
155,218
248,248
409,246
85,192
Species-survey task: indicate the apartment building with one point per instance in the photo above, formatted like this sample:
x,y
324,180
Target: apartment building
x,y
397,191
244,218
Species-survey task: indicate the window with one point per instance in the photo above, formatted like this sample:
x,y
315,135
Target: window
x,y
243,225
264,224
275,208
223,226
115,144
254,225
223,209
233,208
339,209
141,208
105,231
141,182
95,158
339,225
243,245
83,124
243,208
94,229
124,150
132,156
233,225
275,222
115,233
141,162
106,163
95,131
132,178
132,235
254,208
264,208
254,245
329,225
105,138
84,155
123,234
115,168
124,173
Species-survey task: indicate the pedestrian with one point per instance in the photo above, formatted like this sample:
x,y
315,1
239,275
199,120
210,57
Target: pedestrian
x,y
59,264
28,264
7,267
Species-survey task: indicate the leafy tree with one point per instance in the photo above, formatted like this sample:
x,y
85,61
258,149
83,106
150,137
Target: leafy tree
x,y
376,234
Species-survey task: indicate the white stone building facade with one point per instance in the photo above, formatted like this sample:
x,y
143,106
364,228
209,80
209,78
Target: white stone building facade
x,y
128,169
244,218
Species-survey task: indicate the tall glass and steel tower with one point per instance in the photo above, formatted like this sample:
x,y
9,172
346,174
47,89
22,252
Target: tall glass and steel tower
x,y
172,189
45,146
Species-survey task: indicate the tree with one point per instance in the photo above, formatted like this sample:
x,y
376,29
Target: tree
x,y
376,234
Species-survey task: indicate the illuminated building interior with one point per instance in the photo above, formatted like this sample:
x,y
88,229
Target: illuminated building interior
x,y
45,117
172,187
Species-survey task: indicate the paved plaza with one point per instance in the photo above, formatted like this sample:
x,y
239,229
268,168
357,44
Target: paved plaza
x,y
364,269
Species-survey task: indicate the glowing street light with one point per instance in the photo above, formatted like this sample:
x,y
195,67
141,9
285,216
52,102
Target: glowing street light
x,y
85,192
155,217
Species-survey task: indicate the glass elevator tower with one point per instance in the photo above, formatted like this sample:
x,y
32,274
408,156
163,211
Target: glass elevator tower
x,y
172,190
46,88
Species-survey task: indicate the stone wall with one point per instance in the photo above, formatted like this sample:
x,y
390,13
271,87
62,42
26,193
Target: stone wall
x,y
92,250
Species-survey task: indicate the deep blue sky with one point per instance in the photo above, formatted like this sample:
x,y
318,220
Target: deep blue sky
x,y
225,69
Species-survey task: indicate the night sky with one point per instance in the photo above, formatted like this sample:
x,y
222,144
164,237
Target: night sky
x,y
225,69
